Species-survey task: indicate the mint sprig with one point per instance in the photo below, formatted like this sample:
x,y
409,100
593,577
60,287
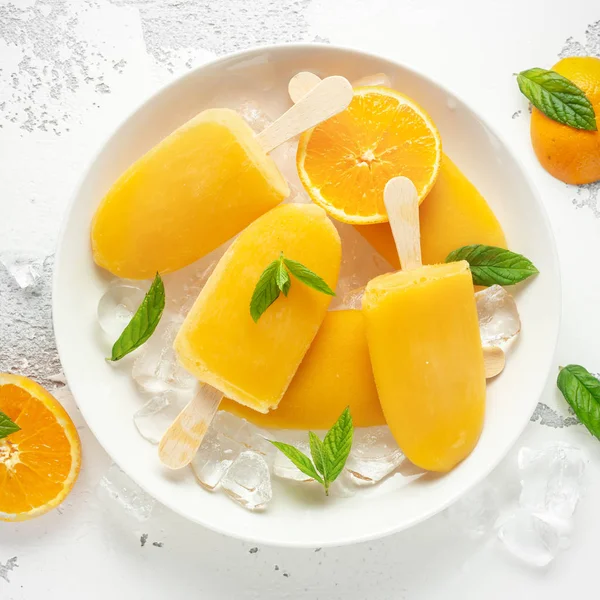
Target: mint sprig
x,y
582,391
492,265
143,323
328,456
276,279
7,426
558,98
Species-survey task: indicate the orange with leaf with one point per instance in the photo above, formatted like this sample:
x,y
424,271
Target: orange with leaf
x,y
40,451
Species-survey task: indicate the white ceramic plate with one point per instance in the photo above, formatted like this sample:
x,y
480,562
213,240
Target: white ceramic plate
x,y
107,398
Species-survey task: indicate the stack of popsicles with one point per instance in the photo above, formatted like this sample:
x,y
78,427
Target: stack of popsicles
x,y
412,357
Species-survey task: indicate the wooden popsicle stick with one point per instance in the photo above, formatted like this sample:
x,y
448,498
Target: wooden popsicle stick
x,y
329,97
402,204
181,441
494,360
302,83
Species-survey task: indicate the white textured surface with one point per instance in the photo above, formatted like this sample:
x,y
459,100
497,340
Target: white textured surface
x,y
69,71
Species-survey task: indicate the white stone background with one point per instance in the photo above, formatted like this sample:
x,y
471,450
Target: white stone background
x,y
70,71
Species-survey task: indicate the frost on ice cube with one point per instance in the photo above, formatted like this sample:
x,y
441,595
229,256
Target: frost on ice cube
x,y
477,512
248,481
25,270
157,415
226,423
552,479
374,455
530,538
117,306
498,315
283,467
214,457
156,369
116,488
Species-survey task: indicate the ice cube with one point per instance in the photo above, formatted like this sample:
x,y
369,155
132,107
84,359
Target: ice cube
x,y
552,479
360,263
248,481
253,114
476,513
378,79
25,270
214,457
374,455
156,416
117,306
156,368
283,467
245,433
350,301
498,315
344,486
529,538
183,286
117,488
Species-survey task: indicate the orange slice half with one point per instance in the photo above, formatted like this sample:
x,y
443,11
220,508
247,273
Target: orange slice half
x,y
345,162
40,463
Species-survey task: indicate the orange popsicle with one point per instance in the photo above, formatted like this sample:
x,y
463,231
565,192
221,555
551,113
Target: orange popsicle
x,y
423,336
253,363
454,214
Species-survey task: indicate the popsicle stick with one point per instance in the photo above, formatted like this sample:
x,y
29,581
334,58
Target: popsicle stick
x,y
494,360
302,83
327,98
181,441
401,201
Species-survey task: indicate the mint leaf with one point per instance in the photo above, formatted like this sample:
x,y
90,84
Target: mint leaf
x,y
143,323
337,445
282,277
558,98
317,452
491,265
329,456
308,277
7,426
582,391
299,459
265,292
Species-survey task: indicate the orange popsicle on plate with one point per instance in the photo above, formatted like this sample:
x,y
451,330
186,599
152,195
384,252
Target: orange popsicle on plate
x,y
423,336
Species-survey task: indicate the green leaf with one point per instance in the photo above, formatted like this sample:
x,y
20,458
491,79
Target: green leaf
x,y
299,459
317,452
282,277
265,292
143,323
558,98
337,445
7,426
308,277
582,391
491,265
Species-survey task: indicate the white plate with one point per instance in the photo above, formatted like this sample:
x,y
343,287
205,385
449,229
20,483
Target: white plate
x,y
107,398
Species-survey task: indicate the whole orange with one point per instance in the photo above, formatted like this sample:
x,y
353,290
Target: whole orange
x,y
571,155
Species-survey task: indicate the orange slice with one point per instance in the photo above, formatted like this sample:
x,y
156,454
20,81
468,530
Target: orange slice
x,y
345,162
40,463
